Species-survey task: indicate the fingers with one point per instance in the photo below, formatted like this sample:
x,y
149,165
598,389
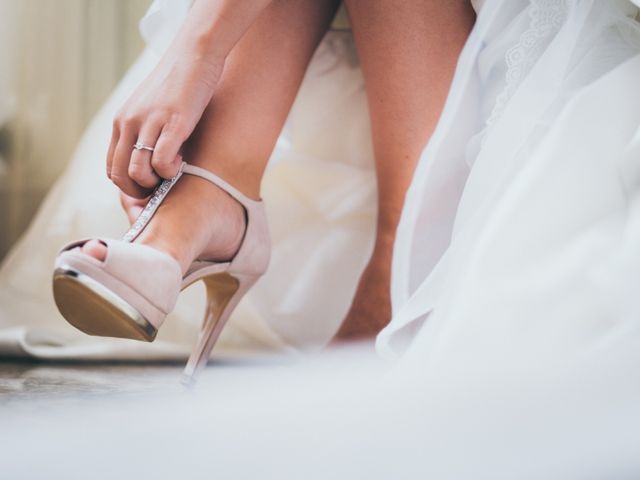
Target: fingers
x,y
140,170
166,157
132,206
134,171
120,167
115,135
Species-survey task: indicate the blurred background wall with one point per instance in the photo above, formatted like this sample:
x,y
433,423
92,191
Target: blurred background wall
x,y
59,60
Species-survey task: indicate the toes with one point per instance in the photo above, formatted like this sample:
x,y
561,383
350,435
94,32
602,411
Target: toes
x,y
96,249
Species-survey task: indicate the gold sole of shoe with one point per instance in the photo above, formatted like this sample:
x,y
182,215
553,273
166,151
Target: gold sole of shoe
x,y
95,310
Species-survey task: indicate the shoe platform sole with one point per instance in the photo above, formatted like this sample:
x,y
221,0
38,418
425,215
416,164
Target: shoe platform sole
x,y
95,310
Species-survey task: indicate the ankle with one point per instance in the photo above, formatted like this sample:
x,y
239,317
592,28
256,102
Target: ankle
x,y
212,228
241,173
383,247
230,226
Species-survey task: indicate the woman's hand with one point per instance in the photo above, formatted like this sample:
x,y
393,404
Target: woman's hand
x,y
162,113
164,110
132,206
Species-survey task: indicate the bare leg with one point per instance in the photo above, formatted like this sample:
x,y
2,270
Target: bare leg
x,y
408,51
237,132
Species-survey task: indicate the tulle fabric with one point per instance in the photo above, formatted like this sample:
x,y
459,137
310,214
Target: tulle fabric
x,y
519,236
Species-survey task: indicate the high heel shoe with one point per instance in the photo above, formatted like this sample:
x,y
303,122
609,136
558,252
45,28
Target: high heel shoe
x,y
129,294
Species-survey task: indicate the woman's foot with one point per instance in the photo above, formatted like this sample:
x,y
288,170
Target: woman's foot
x,y
370,309
195,220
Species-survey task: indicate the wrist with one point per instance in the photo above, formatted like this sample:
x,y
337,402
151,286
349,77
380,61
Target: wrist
x,y
208,42
213,27
201,45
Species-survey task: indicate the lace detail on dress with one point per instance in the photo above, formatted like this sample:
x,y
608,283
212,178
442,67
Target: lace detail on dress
x,y
546,18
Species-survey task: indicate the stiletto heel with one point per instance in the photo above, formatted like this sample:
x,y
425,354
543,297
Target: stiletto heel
x,y
130,293
224,292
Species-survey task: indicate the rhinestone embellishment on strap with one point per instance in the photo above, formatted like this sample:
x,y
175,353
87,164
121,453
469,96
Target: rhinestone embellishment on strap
x,y
151,207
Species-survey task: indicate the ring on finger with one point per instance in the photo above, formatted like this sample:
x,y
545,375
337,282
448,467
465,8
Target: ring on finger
x,y
141,146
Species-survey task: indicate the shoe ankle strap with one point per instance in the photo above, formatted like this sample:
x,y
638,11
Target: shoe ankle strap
x,y
216,180
163,189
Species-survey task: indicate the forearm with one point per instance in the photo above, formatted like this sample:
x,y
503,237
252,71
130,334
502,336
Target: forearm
x,y
213,27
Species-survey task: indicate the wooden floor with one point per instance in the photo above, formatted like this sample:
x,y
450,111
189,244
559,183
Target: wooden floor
x,y
26,382
22,382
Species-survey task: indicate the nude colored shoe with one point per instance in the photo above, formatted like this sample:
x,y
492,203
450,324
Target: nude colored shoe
x,y
129,294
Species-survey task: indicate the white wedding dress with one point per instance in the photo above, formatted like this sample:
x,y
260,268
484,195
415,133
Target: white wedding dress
x,y
520,235
520,239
